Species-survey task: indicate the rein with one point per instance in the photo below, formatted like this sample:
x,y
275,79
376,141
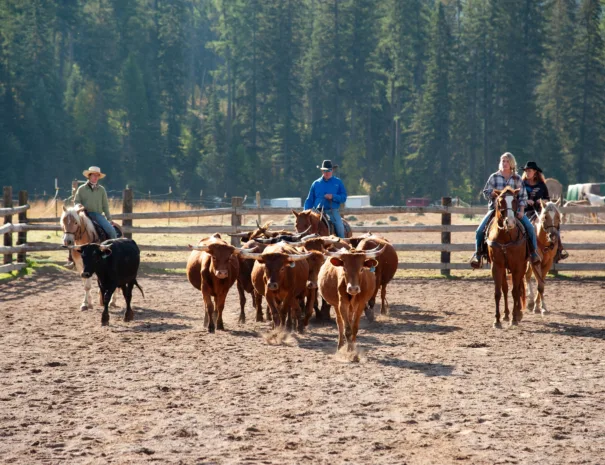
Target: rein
x,y
504,246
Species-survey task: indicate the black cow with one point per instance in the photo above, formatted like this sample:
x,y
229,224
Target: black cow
x,y
116,263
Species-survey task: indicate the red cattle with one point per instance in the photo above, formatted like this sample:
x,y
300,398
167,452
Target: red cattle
x,y
385,270
244,282
346,282
213,267
280,274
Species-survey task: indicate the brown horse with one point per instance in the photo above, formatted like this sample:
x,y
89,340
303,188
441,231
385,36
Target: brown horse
x,y
78,229
507,250
313,219
547,235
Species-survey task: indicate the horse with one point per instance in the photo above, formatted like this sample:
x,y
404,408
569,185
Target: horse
x,y
507,250
78,229
547,230
315,220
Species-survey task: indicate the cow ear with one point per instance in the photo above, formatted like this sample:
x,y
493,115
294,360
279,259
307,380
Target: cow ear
x,y
370,263
336,261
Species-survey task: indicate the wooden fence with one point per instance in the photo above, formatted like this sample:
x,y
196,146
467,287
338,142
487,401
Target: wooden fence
x,y
237,211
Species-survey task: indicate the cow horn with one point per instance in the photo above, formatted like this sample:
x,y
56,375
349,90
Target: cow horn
x,y
239,234
293,244
330,240
309,237
299,257
104,247
335,254
201,248
375,252
246,252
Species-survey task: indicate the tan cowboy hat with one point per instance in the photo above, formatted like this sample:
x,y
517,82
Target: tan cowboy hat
x,y
93,170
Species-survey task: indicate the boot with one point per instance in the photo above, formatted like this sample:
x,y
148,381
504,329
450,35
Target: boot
x,y
561,252
534,257
475,261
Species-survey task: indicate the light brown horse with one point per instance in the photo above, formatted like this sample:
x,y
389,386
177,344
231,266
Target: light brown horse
x,y
507,248
547,235
313,219
78,229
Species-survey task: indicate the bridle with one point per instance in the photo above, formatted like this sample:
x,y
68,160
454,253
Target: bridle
x,y
552,230
502,213
76,232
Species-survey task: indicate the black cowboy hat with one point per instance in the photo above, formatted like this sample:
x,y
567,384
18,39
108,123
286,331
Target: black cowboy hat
x,y
327,165
531,165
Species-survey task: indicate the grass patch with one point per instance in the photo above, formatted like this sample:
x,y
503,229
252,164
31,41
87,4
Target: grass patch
x,y
31,268
393,218
351,218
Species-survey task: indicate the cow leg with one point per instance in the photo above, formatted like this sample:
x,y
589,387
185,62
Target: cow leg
x,y
355,326
316,306
345,312
325,311
298,316
384,305
340,322
242,302
258,305
311,298
87,302
127,292
209,308
220,305
273,306
372,300
107,293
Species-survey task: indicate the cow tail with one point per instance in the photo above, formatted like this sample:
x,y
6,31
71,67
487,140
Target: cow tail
x,y
137,285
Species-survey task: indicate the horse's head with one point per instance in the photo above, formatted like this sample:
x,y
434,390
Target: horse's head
x,y
306,219
507,204
550,220
70,223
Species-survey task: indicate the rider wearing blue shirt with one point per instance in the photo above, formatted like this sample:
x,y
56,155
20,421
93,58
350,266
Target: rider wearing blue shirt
x,y
328,192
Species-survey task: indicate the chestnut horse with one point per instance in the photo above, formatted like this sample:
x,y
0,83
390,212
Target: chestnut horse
x,y
507,250
78,229
547,231
313,219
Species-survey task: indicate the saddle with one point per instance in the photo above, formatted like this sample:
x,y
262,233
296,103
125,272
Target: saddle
x,y
484,253
325,219
99,229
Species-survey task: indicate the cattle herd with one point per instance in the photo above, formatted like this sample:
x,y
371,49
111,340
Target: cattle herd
x,y
291,271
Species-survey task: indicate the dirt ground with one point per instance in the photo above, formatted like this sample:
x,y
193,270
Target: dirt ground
x,y
436,383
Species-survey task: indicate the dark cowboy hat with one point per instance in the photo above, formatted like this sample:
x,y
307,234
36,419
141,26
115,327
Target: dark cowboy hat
x,y
327,165
531,165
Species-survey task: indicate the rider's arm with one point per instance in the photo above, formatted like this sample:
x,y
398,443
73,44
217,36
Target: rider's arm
x,y
310,202
522,195
341,193
489,188
106,206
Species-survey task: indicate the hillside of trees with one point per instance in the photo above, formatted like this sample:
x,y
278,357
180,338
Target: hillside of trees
x,y
409,97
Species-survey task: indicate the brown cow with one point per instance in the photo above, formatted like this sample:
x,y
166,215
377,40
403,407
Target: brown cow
x,y
346,282
280,274
244,283
212,268
385,270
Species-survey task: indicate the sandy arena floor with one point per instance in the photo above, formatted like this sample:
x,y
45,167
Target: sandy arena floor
x,y
436,383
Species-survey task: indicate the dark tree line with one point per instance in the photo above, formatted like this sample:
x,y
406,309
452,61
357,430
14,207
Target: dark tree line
x,y
409,97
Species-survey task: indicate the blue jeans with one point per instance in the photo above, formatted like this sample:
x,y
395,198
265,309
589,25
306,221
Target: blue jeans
x,y
480,234
106,225
334,215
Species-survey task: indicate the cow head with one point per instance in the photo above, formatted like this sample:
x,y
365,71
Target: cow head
x,y
352,263
277,259
315,261
220,254
92,257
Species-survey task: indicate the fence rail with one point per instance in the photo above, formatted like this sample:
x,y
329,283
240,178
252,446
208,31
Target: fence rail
x,y
236,211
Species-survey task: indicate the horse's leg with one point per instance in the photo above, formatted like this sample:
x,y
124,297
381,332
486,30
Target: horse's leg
x,y
497,276
530,285
505,292
517,283
540,304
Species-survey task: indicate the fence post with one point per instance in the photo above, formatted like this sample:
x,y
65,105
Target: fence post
x,y
258,206
22,236
8,237
127,204
236,219
446,237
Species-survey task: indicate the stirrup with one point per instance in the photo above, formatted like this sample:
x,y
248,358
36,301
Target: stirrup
x,y
476,261
563,254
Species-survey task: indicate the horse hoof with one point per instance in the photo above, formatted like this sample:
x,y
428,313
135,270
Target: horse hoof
x,y
506,318
497,325
514,324
83,307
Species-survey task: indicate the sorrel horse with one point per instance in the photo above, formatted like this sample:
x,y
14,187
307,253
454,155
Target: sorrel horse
x,y
78,229
314,220
507,250
547,232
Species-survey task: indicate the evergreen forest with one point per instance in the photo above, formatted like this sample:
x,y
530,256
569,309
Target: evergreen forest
x,y
410,97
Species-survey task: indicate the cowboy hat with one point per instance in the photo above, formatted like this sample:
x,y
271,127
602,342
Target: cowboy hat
x,y
531,165
93,170
327,165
